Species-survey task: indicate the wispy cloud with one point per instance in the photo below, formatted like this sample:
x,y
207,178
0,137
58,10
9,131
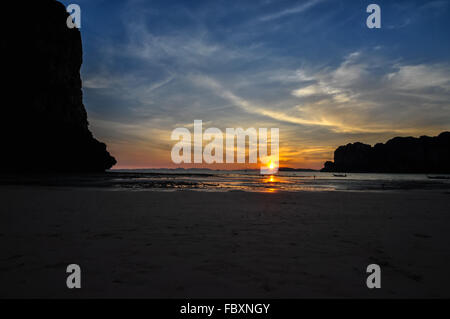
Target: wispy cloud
x,y
293,10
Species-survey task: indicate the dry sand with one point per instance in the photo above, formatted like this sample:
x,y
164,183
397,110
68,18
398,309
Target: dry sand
x,y
199,244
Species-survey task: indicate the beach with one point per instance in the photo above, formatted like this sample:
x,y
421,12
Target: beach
x,y
198,244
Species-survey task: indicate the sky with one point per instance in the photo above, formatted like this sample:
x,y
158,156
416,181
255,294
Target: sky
x,y
311,68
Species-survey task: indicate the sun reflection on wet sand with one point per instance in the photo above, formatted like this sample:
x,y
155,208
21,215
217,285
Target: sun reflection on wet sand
x,y
273,182
271,179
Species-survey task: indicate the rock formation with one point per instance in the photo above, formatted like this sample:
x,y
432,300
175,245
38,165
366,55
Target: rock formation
x,y
44,123
398,155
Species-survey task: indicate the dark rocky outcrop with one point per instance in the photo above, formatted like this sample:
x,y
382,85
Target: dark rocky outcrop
x,y
44,123
398,155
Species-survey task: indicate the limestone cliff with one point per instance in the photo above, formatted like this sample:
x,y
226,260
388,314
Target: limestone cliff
x,y
398,155
44,123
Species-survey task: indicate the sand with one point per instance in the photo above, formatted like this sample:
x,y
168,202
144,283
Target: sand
x,y
189,244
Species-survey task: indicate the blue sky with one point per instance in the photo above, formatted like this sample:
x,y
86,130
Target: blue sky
x,y
311,68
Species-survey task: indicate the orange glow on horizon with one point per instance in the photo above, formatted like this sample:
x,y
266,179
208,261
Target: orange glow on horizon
x,y
140,155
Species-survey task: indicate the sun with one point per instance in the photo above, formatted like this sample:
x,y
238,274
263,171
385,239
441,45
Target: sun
x,y
269,167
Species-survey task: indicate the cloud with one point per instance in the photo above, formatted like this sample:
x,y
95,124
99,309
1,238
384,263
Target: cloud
x,y
294,10
315,90
184,49
374,96
97,82
295,117
422,76
360,95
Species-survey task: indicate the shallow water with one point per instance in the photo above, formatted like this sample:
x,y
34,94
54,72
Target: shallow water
x,y
251,180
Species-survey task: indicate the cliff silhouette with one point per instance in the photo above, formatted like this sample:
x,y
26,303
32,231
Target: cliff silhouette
x,y
44,123
398,155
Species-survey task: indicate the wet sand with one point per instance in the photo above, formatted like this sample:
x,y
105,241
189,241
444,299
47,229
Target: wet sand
x,y
232,244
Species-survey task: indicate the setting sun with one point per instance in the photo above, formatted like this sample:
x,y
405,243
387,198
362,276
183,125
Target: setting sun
x,y
269,167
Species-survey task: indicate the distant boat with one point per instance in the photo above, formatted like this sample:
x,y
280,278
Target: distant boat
x,y
340,175
438,177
